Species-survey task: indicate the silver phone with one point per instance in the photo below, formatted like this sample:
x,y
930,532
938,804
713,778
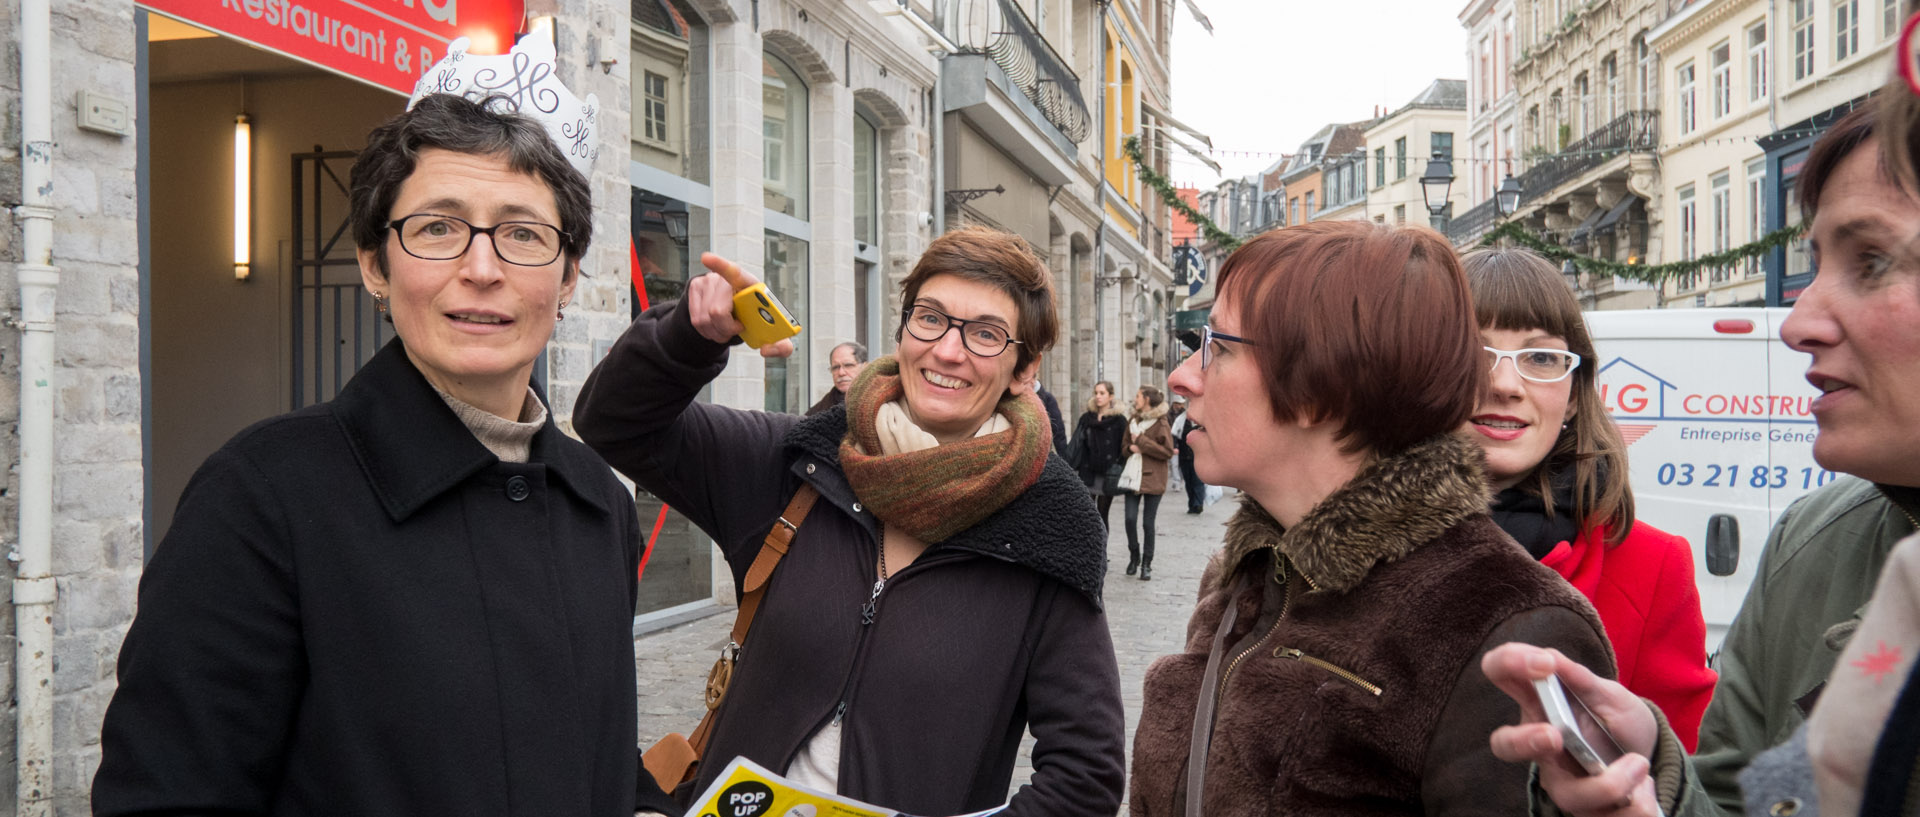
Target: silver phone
x,y
1586,740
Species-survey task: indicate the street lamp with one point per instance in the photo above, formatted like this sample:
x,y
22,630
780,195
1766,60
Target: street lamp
x,y
1572,274
1435,187
1507,199
674,217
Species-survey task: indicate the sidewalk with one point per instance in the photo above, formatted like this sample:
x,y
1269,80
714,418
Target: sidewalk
x,y
1148,619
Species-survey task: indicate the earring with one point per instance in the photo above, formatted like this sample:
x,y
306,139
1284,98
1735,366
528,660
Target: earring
x,y
379,302
561,315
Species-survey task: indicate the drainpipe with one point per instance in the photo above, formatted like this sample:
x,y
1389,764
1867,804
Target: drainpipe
x,y
33,584
1100,207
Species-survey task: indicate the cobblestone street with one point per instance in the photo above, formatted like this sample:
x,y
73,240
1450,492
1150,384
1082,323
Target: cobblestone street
x,y
1148,620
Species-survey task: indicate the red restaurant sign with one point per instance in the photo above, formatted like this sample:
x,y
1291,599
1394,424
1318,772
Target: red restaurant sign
x,y
389,43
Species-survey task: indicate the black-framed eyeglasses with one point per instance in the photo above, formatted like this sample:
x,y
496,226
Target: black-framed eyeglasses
x,y
1537,365
930,325
1203,342
436,237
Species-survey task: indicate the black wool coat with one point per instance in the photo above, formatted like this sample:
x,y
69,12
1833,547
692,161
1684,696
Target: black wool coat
x,y
360,610
994,631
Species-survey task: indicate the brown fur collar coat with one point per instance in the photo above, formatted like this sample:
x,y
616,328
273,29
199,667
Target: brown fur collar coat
x,y
1351,680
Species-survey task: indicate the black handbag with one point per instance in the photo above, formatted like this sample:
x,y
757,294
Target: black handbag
x,y
1112,483
1076,454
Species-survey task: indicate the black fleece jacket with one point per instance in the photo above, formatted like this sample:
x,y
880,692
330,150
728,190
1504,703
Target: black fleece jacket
x,y
991,632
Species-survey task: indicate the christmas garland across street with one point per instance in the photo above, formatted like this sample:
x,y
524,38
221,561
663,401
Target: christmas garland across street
x,y
1513,231
1658,273
1220,238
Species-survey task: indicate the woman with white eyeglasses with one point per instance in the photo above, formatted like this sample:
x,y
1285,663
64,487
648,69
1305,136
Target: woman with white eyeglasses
x,y
1559,472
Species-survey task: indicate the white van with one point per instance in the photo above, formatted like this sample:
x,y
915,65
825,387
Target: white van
x,y
1715,410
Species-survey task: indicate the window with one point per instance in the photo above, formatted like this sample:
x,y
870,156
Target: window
x,y
1293,210
866,181
786,274
1685,75
1582,105
1802,39
1399,214
1846,29
1379,166
1610,73
1722,57
1649,66
1442,143
783,136
1687,235
1400,158
1759,64
1309,203
1722,221
1756,208
654,110
1889,19
1534,137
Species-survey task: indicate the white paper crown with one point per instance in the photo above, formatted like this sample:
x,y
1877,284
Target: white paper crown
x,y
524,80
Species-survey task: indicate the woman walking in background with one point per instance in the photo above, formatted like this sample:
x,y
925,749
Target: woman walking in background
x,y
1559,472
1149,445
1104,427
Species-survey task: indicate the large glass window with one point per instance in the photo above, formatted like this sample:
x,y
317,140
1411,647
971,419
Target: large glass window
x,y
786,275
1689,236
1399,158
669,89
1722,220
783,133
1759,63
866,181
1756,208
1379,166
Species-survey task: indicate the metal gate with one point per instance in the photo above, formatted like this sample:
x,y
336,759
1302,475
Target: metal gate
x,y
335,326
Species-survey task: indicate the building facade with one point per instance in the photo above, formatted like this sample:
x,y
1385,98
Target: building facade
x,y
1402,143
1588,86
819,144
1492,116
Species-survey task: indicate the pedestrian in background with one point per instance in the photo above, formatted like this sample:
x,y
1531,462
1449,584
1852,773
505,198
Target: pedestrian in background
x,y
942,597
844,364
1180,428
1559,473
1329,666
1149,446
1099,456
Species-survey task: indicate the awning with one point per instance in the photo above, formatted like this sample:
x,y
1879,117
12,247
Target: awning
x,y
1618,212
1586,227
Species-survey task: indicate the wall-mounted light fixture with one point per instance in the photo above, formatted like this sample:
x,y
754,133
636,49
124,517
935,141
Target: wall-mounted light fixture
x,y
242,198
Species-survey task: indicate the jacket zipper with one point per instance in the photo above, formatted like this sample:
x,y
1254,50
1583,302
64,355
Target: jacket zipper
x,y
1338,672
869,611
1285,605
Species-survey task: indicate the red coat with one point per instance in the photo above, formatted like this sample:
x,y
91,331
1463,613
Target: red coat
x,y
1643,589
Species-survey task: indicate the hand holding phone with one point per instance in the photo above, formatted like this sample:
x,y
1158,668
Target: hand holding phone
x,y
723,308
1585,738
763,319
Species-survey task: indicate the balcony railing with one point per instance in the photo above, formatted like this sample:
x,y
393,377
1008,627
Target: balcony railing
x,y
1040,73
1634,131
1473,223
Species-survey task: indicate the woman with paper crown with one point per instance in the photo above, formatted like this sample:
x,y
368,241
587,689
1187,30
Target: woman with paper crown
x,y
416,598
942,595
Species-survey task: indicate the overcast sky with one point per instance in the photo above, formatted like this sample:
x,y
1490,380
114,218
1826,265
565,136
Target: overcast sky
x,y
1274,71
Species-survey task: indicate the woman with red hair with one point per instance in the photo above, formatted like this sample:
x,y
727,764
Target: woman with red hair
x,y
1332,664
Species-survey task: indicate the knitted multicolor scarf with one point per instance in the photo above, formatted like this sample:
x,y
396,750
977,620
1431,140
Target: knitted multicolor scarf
x,y
940,491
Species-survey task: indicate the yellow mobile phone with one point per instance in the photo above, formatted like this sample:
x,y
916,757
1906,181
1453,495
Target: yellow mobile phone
x,y
762,317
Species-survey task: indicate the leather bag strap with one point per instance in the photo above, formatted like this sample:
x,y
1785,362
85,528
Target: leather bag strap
x,y
1203,709
779,539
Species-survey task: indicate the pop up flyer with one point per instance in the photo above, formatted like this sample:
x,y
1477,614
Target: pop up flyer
x,y
746,789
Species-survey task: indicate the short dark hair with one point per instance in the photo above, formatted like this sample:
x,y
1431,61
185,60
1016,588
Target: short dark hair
x,y
859,351
1003,261
1370,325
1839,141
454,123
